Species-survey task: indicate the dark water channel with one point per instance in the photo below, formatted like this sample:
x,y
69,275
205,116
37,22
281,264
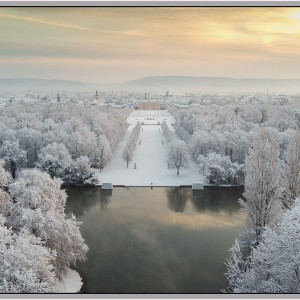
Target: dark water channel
x,y
160,240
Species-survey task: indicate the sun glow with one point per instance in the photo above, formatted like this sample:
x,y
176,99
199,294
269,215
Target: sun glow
x,y
295,15
140,41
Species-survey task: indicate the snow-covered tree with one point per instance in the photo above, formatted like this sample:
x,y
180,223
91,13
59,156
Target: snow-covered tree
x,y
238,144
203,142
220,170
169,135
54,159
5,199
274,265
39,207
90,131
291,171
13,156
5,177
57,162
78,138
237,265
282,119
79,172
262,183
30,141
6,134
127,155
26,265
131,144
103,153
52,132
177,155
182,133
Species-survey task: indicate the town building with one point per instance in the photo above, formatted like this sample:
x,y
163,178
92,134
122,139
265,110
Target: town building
x,y
149,105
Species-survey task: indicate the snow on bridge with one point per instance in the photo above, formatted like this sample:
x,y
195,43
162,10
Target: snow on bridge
x,y
150,156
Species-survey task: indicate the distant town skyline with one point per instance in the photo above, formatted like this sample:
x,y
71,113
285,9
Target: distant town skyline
x,y
116,44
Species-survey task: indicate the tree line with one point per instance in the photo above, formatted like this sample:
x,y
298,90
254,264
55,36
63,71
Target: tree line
x,y
66,141
218,137
265,258
131,144
177,150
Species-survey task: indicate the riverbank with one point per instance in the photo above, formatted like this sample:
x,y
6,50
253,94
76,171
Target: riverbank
x,y
70,282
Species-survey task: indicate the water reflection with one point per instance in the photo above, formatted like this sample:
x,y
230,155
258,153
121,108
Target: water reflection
x,y
177,198
216,199
105,196
85,198
139,245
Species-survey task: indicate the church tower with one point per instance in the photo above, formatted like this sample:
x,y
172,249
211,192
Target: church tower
x,y
96,96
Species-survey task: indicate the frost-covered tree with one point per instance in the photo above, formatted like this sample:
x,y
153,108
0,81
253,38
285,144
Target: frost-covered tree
x,y
203,142
220,170
282,119
182,133
79,172
26,265
57,162
39,208
262,183
52,132
131,144
5,199
291,171
13,156
127,155
169,135
237,265
54,159
177,155
90,131
274,265
30,141
238,144
251,261
78,138
103,153
6,134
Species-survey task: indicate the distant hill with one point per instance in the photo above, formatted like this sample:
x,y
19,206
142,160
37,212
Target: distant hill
x,y
37,84
211,84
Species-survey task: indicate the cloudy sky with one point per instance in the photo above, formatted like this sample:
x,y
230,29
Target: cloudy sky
x,y
112,45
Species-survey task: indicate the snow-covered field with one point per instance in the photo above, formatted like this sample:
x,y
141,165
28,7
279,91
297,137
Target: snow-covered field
x,y
150,156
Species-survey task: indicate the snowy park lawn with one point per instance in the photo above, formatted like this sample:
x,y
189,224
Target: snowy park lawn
x,y
150,156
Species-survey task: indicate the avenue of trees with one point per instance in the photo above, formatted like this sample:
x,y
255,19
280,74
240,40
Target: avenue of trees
x,y
177,150
131,144
66,141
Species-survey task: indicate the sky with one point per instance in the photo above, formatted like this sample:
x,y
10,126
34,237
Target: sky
x,y
115,44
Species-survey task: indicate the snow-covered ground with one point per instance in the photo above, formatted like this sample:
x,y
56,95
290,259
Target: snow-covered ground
x,y
70,283
150,156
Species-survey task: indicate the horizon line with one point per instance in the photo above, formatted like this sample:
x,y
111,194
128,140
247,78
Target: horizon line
x,y
149,76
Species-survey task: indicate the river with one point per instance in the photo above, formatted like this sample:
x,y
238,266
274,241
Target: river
x,y
160,240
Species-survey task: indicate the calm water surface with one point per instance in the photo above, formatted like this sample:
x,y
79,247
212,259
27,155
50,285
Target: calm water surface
x,y
160,240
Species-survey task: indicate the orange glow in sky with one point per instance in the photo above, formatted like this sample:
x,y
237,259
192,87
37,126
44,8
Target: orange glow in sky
x,y
112,45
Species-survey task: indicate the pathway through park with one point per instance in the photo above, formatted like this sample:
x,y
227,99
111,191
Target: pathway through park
x,y
150,156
